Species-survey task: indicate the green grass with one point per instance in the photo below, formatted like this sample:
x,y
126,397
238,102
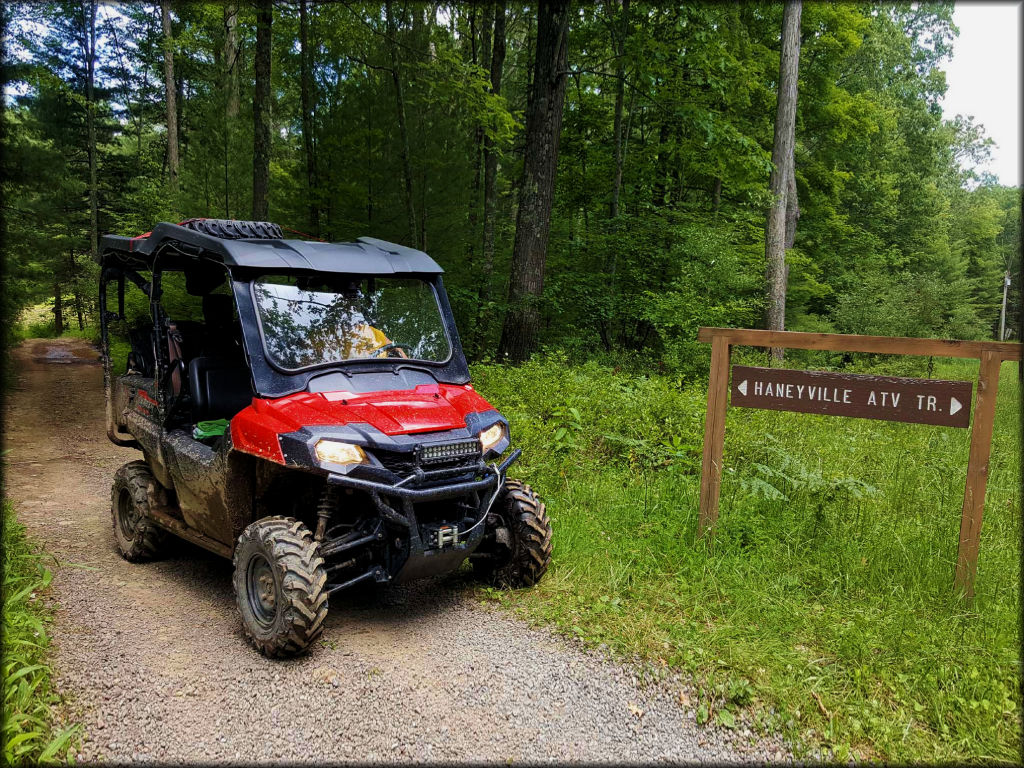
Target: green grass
x,y
826,608
29,733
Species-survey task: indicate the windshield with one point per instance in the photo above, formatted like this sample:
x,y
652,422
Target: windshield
x,y
314,321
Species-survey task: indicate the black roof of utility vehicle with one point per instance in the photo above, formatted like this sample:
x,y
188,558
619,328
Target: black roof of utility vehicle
x,y
264,249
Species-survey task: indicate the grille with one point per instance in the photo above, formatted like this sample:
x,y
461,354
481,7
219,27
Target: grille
x,y
399,463
435,454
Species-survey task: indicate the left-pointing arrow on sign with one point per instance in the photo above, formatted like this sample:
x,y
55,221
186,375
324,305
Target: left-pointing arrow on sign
x,y
742,387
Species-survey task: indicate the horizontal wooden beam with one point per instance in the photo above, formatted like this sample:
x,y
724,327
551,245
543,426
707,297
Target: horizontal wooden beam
x,y
882,345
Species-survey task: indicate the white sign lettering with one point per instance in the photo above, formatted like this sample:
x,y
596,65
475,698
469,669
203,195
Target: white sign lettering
x,y
890,398
879,398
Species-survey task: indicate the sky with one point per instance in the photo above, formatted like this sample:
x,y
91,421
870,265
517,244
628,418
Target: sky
x,y
984,79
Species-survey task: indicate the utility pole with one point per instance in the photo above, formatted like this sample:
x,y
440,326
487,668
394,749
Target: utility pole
x,y
1002,312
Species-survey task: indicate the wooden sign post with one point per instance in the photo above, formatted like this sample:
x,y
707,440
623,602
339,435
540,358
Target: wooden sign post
x,y
923,401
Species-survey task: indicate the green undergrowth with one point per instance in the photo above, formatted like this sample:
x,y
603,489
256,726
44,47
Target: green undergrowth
x,y
46,330
30,734
825,609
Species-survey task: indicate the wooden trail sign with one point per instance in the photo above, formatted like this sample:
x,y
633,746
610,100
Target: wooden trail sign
x,y
923,401
926,401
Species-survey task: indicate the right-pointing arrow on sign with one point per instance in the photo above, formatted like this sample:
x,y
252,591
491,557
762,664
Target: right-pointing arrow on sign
x,y
954,405
742,387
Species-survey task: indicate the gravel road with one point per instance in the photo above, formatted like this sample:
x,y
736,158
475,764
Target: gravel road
x,y
156,667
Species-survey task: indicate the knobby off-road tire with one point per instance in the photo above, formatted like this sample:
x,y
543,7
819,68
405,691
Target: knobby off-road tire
x,y
526,558
279,585
232,229
138,537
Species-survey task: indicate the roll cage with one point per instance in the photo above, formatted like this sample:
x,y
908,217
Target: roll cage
x,y
237,256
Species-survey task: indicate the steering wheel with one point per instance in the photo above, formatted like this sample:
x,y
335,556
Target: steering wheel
x,y
389,346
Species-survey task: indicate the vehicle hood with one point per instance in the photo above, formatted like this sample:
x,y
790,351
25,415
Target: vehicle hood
x,y
427,408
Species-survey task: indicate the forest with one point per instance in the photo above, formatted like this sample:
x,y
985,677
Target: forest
x,y
647,177
599,180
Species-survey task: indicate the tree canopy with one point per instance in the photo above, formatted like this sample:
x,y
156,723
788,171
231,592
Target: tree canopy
x,y
408,121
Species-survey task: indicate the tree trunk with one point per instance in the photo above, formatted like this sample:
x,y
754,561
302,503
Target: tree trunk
x,y
261,113
792,207
421,28
496,64
231,59
485,40
94,205
531,55
79,311
472,239
396,76
620,88
369,153
72,276
58,310
171,97
782,161
716,195
661,165
490,156
533,220
611,262
305,88
134,116
584,186
231,94
182,103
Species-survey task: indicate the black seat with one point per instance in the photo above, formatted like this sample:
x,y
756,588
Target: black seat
x,y
219,388
221,328
141,358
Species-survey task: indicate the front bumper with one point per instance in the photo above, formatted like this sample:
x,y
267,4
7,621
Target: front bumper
x,y
428,557
406,488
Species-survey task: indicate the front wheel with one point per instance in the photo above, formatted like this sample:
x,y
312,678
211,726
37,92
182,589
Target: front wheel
x,y
517,549
279,585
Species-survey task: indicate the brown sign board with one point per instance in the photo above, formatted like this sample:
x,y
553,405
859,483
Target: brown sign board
x,y
851,395
890,398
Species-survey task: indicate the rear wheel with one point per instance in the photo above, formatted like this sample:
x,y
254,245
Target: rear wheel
x,y
138,537
279,585
518,547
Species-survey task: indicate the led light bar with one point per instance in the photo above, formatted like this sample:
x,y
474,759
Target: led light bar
x,y
430,454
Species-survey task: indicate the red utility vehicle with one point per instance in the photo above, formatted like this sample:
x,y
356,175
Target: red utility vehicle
x,y
312,419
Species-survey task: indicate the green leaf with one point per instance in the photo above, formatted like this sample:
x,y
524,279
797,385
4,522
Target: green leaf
x,y
24,671
59,743
702,714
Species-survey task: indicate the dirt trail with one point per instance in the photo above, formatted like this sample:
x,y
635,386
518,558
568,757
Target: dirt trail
x,y
157,668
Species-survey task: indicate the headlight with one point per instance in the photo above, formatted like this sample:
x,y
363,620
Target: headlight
x,y
491,436
337,452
